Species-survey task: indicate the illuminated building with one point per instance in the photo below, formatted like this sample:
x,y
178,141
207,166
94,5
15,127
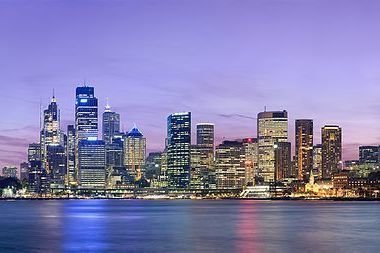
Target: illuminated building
x,y
369,154
111,124
50,133
37,181
72,174
317,161
92,163
56,161
250,149
230,165
282,158
86,117
115,158
178,150
202,157
24,171
34,152
135,153
331,150
340,180
9,172
153,165
304,147
272,127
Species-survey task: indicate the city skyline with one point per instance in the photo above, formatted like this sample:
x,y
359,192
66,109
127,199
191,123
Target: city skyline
x,y
150,67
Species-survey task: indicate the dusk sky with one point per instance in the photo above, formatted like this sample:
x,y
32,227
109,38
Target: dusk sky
x,y
222,60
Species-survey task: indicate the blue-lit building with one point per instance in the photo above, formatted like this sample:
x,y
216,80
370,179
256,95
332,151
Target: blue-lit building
x,y
92,164
178,150
86,113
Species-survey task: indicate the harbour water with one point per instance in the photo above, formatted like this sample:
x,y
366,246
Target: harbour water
x,y
189,226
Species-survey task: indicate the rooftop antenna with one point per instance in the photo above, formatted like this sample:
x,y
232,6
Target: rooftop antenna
x,y
265,108
40,112
108,107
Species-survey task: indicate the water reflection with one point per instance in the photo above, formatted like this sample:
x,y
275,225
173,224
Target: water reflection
x,y
188,226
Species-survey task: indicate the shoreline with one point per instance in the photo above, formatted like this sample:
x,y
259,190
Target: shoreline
x,y
202,199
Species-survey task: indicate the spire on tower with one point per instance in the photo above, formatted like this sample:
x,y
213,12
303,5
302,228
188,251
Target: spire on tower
x,y
108,107
53,99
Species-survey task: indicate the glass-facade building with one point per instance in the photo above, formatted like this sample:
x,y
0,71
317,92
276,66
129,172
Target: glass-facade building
x,y
272,127
110,124
304,148
135,153
331,150
178,149
92,164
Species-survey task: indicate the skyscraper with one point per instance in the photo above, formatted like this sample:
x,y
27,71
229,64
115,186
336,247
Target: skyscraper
x,y
317,160
50,133
331,150
230,165
34,152
135,152
110,124
283,160
56,161
304,147
86,114
72,174
272,127
92,164
202,157
86,118
178,149
250,150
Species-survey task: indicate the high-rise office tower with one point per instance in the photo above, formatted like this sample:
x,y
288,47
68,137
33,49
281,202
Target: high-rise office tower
x,y
202,157
86,114
37,181
317,161
178,150
50,132
205,135
304,147
368,154
250,150
230,165
135,153
283,160
272,127
72,174
56,161
86,118
331,150
92,164
34,152
110,124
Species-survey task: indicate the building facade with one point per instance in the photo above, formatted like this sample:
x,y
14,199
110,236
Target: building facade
x,y
92,164
331,150
110,124
272,127
135,153
178,149
283,160
230,165
304,148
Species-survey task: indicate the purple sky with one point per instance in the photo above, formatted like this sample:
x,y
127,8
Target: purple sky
x,y
222,60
